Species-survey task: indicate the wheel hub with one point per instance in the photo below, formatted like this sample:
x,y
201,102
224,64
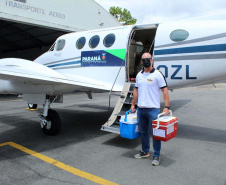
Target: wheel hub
x,y
45,123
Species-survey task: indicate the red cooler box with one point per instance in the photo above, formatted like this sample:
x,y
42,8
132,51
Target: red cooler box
x,y
165,128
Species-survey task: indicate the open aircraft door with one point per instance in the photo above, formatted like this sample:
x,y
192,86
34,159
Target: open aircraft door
x,y
141,39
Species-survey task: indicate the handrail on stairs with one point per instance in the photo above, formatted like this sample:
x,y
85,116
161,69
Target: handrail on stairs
x,y
114,85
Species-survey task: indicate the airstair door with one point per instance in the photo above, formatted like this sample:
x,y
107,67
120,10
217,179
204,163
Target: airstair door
x,y
142,39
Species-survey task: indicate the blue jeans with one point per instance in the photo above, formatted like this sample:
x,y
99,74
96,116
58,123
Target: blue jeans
x,y
145,117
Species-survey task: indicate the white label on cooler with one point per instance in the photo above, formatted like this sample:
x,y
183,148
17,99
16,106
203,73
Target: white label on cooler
x,y
159,132
170,129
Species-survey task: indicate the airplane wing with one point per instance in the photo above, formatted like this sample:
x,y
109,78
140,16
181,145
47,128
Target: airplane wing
x,y
28,72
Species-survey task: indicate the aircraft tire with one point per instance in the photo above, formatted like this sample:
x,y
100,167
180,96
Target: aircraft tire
x,y
32,106
54,117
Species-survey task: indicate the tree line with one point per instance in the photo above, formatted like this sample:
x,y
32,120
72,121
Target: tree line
x,y
123,16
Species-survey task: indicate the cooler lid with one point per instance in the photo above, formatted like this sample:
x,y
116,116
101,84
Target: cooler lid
x,y
165,118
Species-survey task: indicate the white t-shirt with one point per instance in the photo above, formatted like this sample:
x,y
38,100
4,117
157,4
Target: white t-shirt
x,y
149,88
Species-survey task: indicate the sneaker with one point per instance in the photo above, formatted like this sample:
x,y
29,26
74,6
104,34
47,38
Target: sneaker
x,y
156,161
141,155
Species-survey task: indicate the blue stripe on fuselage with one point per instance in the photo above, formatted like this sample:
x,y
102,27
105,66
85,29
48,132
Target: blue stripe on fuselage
x,y
65,64
194,49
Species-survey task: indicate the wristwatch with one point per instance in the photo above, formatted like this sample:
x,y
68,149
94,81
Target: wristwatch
x,y
167,107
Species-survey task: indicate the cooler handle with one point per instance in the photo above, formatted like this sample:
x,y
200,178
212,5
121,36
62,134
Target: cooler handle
x,y
125,120
171,114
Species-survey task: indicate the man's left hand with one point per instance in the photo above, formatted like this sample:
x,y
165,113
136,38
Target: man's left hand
x,y
166,111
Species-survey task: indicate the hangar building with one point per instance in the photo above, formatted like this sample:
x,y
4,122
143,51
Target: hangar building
x,y
28,28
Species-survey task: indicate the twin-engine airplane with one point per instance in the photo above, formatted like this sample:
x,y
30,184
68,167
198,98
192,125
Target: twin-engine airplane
x,y
188,54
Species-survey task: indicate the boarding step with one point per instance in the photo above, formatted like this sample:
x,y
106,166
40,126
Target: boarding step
x,y
123,104
113,128
132,85
128,100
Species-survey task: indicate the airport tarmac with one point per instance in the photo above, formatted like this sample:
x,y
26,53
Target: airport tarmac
x,y
82,154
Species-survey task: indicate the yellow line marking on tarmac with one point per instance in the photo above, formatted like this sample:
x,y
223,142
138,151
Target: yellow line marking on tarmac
x,y
58,164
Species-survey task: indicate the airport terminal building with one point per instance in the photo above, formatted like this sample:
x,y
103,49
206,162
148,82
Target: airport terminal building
x,y
30,27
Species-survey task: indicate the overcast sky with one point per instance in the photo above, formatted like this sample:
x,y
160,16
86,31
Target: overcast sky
x,y
158,11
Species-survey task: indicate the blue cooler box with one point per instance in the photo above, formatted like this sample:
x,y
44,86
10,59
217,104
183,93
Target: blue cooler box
x,y
129,126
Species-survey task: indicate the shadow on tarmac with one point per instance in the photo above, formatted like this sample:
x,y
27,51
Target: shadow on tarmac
x,y
201,133
79,126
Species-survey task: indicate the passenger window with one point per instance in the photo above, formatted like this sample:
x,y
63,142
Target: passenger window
x,y
109,40
94,41
60,44
80,43
179,35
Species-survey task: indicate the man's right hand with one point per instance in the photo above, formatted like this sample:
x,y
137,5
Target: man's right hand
x,y
135,97
133,108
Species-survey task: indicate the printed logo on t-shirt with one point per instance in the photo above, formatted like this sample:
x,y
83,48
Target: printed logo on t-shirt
x,y
149,80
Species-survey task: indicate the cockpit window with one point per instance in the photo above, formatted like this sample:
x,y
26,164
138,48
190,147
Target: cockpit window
x,y
60,44
109,40
179,35
80,42
94,41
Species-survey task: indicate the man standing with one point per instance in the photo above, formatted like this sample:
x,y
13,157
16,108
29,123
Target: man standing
x,y
149,84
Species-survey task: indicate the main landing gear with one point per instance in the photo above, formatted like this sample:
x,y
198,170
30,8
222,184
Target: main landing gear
x,y
32,106
50,120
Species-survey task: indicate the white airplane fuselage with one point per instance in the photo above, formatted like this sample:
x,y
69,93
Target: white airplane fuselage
x,y
198,59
